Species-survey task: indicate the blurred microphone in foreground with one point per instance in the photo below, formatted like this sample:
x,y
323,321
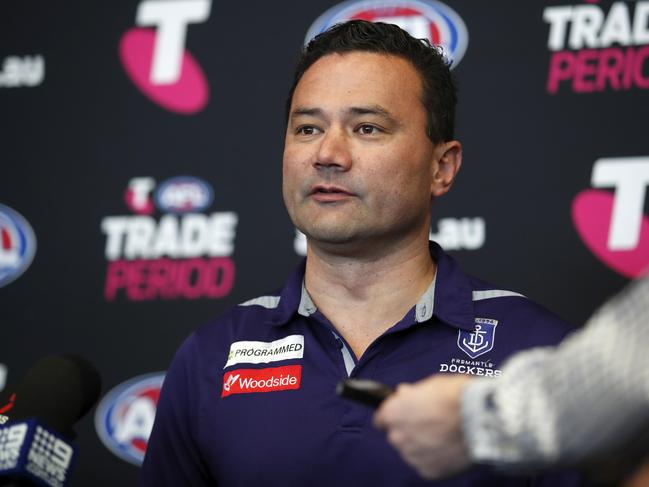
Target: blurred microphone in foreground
x,y
37,418
584,402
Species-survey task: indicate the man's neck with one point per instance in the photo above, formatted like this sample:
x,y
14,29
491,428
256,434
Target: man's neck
x,y
364,296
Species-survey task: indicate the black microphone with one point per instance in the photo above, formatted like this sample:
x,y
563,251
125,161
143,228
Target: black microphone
x,y
35,441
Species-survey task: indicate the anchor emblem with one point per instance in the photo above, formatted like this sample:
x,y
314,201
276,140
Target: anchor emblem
x,y
479,341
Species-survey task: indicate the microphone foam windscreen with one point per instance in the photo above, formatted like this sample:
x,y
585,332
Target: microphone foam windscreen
x,y
58,390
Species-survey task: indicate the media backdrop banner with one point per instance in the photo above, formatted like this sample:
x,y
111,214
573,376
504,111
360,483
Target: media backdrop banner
x,y
141,157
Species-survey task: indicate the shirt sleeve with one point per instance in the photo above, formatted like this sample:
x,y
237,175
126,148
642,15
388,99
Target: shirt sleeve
x,y
566,404
173,457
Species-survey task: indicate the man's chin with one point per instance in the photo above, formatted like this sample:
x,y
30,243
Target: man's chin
x,y
330,236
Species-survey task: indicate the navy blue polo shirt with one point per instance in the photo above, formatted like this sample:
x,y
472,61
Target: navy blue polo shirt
x,y
250,399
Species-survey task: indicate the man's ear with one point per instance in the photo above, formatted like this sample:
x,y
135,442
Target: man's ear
x,y
447,159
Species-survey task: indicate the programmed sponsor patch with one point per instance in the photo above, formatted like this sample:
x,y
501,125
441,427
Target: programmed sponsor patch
x,y
246,381
253,352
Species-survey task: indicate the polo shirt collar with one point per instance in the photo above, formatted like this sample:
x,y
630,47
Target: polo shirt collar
x,y
449,297
307,307
291,297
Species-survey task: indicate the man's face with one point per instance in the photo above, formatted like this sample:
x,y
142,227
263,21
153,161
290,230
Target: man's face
x,y
358,165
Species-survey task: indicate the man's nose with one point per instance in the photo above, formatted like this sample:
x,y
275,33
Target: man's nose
x,y
334,151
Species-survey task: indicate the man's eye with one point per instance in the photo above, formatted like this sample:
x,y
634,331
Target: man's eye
x,y
307,130
368,129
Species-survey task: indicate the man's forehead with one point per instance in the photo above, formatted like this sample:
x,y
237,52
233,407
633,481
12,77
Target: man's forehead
x,y
384,64
358,79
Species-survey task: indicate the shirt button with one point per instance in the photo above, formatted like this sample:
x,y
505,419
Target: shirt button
x,y
422,311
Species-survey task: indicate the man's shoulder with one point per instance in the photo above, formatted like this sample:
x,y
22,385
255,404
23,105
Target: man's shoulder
x,y
464,297
264,305
249,320
519,313
254,318
257,312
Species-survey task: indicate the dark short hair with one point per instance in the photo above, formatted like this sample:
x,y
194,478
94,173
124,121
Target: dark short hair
x,y
439,91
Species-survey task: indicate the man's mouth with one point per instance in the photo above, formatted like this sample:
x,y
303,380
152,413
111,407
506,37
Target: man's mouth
x,y
326,189
328,193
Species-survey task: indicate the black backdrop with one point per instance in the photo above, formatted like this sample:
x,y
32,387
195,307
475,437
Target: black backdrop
x,y
73,139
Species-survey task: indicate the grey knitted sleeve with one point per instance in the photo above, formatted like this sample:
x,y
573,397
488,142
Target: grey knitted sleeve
x,y
566,403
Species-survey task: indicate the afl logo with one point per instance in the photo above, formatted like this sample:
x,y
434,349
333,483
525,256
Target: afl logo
x,y
17,245
184,194
124,417
427,19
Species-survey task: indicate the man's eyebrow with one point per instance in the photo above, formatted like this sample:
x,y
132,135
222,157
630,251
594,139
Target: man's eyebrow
x,y
372,110
309,112
353,111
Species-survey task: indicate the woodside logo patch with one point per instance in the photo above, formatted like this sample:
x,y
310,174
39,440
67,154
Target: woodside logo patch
x,y
246,381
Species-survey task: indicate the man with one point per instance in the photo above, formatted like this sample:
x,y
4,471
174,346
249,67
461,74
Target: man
x,y
249,400
583,402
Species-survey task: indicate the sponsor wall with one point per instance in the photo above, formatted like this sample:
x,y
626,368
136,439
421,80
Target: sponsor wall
x,y
142,170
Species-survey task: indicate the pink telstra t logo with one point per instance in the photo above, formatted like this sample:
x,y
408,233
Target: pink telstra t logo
x,y
156,59
613,225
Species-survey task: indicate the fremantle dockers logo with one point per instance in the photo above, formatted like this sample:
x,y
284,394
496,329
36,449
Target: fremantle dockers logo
x,y
481,340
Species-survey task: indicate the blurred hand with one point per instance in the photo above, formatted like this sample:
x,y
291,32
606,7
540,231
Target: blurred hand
x,y
423,422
